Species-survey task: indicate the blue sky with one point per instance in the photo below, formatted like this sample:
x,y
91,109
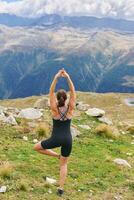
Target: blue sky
x,y
99,8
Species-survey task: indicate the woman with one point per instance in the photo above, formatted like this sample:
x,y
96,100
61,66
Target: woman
x,y
61,135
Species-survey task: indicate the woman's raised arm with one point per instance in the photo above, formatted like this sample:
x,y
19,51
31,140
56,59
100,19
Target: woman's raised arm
x,y
72,90
51,91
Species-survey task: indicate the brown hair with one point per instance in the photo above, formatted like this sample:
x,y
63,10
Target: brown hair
x,y
61,97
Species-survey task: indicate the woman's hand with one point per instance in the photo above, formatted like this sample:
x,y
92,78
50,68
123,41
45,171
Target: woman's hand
x,y
59,74
65,74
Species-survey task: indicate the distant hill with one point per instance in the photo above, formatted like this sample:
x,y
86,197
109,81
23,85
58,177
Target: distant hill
x,y
97,57
82,22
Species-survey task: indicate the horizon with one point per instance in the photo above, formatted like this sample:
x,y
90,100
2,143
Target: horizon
x,y
100,9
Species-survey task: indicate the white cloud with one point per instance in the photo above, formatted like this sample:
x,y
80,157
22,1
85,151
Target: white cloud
x,y
99,8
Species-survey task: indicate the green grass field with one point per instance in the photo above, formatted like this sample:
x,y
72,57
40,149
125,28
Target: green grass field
x,y
92,174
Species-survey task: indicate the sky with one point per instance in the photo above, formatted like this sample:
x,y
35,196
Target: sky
x,y
99,8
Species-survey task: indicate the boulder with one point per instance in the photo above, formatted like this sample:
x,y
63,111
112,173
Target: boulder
x,y
105,120
74,132
30,113
120,161
42,103
95,112
10,120
81,106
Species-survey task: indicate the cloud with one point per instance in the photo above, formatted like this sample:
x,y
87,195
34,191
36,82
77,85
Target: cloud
x,y
98,8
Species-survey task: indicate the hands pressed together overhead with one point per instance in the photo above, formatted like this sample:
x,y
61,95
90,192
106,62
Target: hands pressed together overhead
x,y
62,73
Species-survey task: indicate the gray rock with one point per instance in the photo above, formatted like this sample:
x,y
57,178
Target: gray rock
x,y
30,113
86,127
42,103
74,132
82,107
50,180
3,189
120,161
25,138
2,116
95,112
35,141
105,120
10,120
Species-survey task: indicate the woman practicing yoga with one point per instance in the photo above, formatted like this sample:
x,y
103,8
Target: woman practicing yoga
x,y
61,135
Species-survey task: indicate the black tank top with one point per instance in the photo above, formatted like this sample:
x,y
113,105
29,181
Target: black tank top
x,y
61,126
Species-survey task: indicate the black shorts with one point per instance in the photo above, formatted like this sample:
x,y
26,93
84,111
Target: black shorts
x,y
64,143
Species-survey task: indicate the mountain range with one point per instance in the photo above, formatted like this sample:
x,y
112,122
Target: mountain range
x,y
97,53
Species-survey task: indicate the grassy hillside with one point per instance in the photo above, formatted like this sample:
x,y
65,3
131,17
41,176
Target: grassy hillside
x,y
92,172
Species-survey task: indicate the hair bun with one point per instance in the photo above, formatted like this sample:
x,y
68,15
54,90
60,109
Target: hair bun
x,y
61,97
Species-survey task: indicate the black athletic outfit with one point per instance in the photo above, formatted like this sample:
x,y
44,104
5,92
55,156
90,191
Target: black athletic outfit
x,y
61,135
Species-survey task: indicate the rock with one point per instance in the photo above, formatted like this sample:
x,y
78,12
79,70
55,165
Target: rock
x,y
25,138
50,180
105,120
3,189
35,141
74,132
42,103
120,161
81,106
30,113
95,112
86,127
2,116
10,120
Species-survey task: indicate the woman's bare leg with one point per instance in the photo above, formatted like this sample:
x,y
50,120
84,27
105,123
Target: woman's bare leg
x,y
49,152
63,171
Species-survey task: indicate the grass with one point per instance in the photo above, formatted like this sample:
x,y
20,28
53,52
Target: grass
x,y
92,174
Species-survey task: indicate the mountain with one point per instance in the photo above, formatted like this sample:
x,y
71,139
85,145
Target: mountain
x,y
97,60
82,22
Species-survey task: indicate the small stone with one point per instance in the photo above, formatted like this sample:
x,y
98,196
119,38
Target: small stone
x,y
25,138
120,161
50,180
35,141
3,189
